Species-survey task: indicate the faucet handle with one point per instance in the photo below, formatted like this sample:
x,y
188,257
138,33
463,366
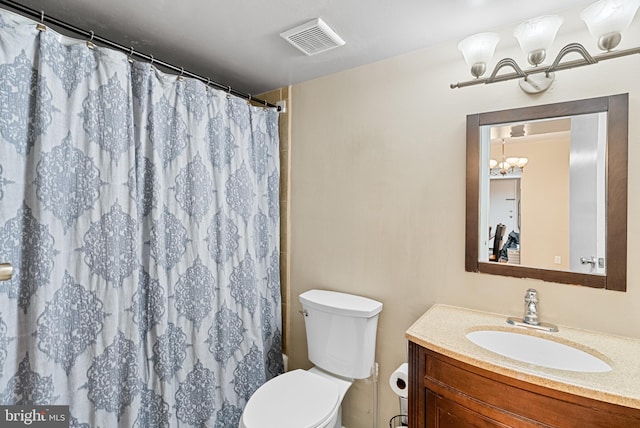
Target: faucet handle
x,y
531,307
531,296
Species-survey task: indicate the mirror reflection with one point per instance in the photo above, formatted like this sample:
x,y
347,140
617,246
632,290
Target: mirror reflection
x,y
545,193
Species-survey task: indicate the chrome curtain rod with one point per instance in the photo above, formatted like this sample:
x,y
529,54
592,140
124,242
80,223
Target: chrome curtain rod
x,y
43,18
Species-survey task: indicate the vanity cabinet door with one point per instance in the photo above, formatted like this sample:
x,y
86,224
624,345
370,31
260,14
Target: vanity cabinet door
x,y
446,413
447,393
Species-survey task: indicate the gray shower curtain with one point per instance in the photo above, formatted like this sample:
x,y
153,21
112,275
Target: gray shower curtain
x,y
140,213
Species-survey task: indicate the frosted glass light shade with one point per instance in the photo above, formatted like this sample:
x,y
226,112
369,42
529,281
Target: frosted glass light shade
x,y
512,161
536,35
609,17
478,50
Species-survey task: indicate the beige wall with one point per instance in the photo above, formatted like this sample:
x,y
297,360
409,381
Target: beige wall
x,y
545,204
378,199
544,218
284,136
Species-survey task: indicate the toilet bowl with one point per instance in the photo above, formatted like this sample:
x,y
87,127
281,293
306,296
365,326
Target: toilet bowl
x,y
341,340
297,399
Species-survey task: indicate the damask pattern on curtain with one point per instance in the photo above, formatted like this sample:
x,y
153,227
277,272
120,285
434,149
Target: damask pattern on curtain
x,y
140,212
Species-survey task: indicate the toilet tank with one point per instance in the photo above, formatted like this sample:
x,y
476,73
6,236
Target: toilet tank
x,y
341,331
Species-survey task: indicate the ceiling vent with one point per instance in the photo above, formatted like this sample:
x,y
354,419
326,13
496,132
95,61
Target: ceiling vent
x,y
313,37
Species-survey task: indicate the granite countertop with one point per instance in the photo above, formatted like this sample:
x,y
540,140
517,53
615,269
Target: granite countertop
x,y
442,329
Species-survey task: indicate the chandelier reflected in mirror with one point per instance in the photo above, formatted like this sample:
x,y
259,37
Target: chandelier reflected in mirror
x,y
507,165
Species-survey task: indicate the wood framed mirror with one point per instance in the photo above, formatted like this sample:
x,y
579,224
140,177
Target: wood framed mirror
x,y
609,267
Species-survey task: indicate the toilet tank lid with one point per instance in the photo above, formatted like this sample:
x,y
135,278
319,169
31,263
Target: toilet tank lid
x,y
341,303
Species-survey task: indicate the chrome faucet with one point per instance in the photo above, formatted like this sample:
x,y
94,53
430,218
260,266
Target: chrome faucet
x,y
531,318
531,307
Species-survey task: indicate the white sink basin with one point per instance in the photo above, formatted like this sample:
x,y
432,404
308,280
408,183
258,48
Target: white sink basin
x,y
538,351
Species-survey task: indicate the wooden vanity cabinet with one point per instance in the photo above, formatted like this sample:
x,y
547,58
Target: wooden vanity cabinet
x,y
447,393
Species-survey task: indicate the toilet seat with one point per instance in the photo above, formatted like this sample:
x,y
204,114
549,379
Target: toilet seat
x,y
296,399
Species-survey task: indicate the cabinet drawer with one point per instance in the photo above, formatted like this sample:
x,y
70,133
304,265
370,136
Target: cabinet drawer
x,y
517,403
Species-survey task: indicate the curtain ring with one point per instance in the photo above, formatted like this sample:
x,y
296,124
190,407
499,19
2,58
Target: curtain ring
x,y
90,44
41,26
180,78
151,58
229,92
130,57
208,82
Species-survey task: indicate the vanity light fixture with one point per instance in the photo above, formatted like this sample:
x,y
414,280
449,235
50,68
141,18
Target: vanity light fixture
x,y
605,19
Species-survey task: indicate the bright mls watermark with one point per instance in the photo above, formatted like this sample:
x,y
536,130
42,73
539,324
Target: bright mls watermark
x,y
34,416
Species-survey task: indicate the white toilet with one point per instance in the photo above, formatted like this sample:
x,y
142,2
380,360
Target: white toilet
x,y
341,340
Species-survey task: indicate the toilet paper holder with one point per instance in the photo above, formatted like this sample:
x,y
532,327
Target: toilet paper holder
x,y
399,380
399,383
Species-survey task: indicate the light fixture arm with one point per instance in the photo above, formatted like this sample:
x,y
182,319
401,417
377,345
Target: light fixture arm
x,y
506,62
557,65
571,47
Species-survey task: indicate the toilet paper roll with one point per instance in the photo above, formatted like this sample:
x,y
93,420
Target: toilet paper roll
x,y
399,380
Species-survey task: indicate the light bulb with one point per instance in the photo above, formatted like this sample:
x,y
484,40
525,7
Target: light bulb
x,y
512,161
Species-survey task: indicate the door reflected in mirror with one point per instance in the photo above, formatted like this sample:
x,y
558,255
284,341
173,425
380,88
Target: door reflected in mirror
x,y
547,192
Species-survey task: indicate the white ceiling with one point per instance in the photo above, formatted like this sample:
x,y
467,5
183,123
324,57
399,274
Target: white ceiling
x,y
237,42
